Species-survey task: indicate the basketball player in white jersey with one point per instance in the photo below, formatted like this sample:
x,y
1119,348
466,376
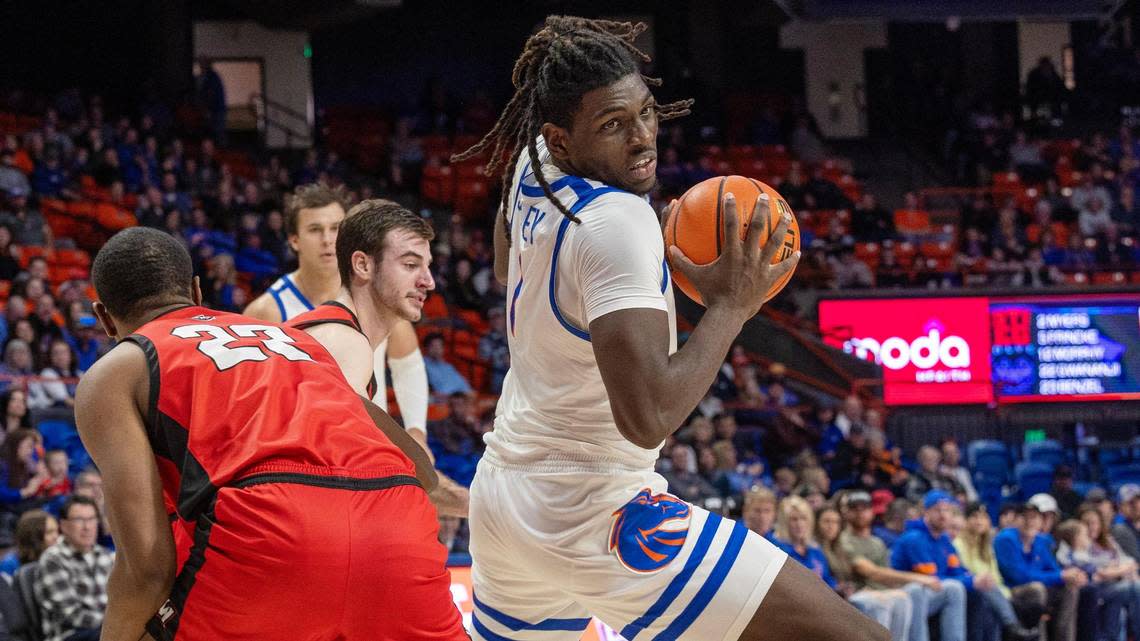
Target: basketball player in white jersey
x,y
568,517
313,215
383,255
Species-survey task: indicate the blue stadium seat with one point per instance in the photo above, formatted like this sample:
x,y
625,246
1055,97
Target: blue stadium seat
x,y
1120,474
1110,456
1083,487
1048,452
1033,478
57,434
989,457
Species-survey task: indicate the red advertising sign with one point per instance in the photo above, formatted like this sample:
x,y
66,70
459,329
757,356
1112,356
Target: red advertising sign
x,y
933,351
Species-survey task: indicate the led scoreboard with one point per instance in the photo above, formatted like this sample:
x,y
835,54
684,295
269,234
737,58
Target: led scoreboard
x,y
994,349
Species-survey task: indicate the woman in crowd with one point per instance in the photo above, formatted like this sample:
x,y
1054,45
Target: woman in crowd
x,y
1087,544
36,531
891,608
975,545
15,412
17,363
22,469
794,527
52,391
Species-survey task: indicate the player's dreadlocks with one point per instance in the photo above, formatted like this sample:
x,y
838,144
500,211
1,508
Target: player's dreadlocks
x,y
567,58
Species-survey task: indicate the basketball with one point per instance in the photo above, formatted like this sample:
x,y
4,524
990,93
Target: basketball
x,y
695,224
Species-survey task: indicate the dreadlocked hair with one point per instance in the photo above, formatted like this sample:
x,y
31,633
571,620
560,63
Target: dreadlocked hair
x,y
565,59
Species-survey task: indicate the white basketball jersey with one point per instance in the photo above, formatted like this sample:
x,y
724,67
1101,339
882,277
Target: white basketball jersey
x,y
562,276
290,301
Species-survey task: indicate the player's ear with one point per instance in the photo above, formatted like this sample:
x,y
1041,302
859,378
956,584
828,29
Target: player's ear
x,y
293,240
556,138
196,291
105,319
361,264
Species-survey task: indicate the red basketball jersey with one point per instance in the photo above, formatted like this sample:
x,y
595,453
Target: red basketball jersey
x,y
234,399
333,312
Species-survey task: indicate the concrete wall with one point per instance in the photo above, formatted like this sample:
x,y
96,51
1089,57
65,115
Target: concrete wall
x,y
288,79
1036,39
833,53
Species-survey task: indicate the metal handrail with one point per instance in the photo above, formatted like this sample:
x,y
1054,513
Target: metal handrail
x,y
262,105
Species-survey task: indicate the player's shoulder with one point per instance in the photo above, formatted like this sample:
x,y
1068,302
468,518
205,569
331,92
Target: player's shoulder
x,y
617,211
124,366
264,308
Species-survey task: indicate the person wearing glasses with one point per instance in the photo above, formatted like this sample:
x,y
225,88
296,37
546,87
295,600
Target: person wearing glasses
x,y
72,586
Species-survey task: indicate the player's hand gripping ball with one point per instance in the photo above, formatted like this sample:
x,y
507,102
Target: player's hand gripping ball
x,y
695,224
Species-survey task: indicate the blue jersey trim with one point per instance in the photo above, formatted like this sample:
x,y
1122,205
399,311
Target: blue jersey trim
x,y
509,215
276,294
513,624
484,632
293,288
579,185
583,200
709,589
673,590
664,275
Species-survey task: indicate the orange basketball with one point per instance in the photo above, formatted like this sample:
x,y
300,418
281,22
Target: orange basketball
x,y
696,224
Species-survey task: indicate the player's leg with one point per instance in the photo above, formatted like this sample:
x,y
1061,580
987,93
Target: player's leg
x,y
517,595
252,563
800,606
398,583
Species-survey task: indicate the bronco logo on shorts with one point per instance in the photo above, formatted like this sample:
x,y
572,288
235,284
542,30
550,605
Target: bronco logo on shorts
x,y
649,531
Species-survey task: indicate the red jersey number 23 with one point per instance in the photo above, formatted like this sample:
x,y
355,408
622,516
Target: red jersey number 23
x,y
217,341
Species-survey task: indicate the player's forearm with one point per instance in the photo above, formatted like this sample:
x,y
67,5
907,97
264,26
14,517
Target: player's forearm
x,y
132,600
450,498
502,247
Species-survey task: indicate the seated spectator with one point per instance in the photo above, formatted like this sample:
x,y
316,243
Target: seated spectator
x,y
443,379
784,480
1025,556
21,471
493,348
1126,524
870,222
15,412
951,466
975,545
731,478
892,609
929,476
72,586
52,391
794,527
894,521
759,512
17,363
869,559
851,457
825,194
850,272
1068,500
28,225
1086,544
683,479
58,483
36,531
9,266
1095,218
89,483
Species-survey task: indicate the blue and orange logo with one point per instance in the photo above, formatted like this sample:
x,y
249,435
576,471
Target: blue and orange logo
x,y
649,531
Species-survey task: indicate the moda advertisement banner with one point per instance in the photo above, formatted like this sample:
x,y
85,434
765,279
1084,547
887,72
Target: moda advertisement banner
x,y
986,349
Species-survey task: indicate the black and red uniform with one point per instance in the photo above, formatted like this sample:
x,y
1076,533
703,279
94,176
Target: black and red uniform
x,y
308,522
333,312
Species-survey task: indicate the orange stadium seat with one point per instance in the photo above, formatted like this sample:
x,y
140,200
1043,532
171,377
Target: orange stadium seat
x,y
938,250
472,197
912,221
741,152
438,184
904,253
750,167
1077,278
113,218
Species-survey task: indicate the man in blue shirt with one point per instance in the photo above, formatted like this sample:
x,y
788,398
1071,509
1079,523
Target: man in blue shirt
x,y
925,548
443,379
1025,556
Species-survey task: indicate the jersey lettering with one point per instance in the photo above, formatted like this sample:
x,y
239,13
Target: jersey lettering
x,y
216,347
534,216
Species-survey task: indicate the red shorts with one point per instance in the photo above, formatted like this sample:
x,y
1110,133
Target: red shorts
x,y
298,562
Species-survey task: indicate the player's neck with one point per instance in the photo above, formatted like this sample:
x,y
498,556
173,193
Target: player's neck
x,y
373,322
317,285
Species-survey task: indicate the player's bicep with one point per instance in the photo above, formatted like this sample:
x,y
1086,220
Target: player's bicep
x,y
113,431
631,347
351,351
